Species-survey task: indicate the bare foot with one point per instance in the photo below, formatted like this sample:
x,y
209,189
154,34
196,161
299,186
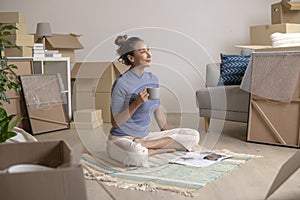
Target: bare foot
x,y
159,151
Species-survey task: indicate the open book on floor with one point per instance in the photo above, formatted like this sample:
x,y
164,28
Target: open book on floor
x,y
200,158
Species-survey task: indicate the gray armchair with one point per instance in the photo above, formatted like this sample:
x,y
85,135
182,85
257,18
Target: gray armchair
x,y
221,102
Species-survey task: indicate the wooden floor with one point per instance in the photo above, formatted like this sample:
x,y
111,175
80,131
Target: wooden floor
x,y
250,181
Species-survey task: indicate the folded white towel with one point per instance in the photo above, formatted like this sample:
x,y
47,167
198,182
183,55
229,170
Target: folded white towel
x,y
285,39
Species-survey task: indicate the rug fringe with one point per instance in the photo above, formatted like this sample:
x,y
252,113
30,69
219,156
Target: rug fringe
x,y
107,180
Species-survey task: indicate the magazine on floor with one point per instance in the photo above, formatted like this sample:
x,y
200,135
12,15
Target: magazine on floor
x,y
199,158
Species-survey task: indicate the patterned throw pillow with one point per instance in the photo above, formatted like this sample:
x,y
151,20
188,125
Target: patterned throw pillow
x,y
233,69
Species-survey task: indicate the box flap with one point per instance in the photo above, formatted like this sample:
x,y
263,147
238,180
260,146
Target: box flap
x,y
62,41
287,169
291,5
120,67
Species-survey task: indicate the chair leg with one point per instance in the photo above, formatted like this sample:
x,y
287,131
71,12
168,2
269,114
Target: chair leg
x,y
206,123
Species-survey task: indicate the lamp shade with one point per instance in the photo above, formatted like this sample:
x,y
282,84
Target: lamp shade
x,y
43,30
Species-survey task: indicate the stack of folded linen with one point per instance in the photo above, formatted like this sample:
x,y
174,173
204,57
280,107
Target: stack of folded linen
x,y
285,39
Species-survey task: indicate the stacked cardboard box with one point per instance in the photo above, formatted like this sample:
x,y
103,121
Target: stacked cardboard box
x,y
88,118
17,105
260,35
285,19
19,36
92,82
285,12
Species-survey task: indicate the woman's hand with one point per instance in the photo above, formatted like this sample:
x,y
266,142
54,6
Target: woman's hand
x,y
142,97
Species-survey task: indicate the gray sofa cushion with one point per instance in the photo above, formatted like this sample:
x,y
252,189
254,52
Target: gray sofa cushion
x,y
227,115
235,98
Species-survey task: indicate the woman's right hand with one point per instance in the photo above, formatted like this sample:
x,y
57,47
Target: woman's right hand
x,y
142,97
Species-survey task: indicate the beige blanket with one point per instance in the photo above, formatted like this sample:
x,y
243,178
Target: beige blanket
x,y
273,75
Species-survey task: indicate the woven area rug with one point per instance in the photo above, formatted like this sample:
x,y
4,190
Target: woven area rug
x,y
160,175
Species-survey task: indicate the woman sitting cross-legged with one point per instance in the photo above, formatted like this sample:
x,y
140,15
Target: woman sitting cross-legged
x,y
130,141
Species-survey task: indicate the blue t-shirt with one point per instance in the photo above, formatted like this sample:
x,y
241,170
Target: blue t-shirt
x,y
124,91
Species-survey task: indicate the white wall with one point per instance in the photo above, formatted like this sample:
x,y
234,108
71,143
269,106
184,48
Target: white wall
x,y
183,35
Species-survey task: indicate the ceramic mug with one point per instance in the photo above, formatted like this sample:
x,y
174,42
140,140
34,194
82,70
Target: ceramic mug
x,y
153,93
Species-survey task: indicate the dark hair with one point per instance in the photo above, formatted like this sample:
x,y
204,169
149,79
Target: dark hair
x,y
126,47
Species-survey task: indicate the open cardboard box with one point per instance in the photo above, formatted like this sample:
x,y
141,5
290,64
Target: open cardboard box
x,y
65,43
63,182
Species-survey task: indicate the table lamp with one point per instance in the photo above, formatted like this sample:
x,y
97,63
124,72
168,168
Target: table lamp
x,y
43,30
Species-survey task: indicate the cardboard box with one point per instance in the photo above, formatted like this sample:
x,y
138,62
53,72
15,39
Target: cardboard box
x,y
17,105
20,39
68,53
24,66
260,35
21,28
86,76
63,182
102,101
11,17
285,12
87,118
273,122
291,5
24,51
96,76
89,70
88,115
110,75
86,125
83,100
65,43
92,82
85,85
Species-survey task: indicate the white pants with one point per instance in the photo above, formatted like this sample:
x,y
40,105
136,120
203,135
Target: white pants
x,y
123,149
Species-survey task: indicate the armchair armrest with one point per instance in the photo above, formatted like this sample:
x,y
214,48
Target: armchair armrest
x,y
212,74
